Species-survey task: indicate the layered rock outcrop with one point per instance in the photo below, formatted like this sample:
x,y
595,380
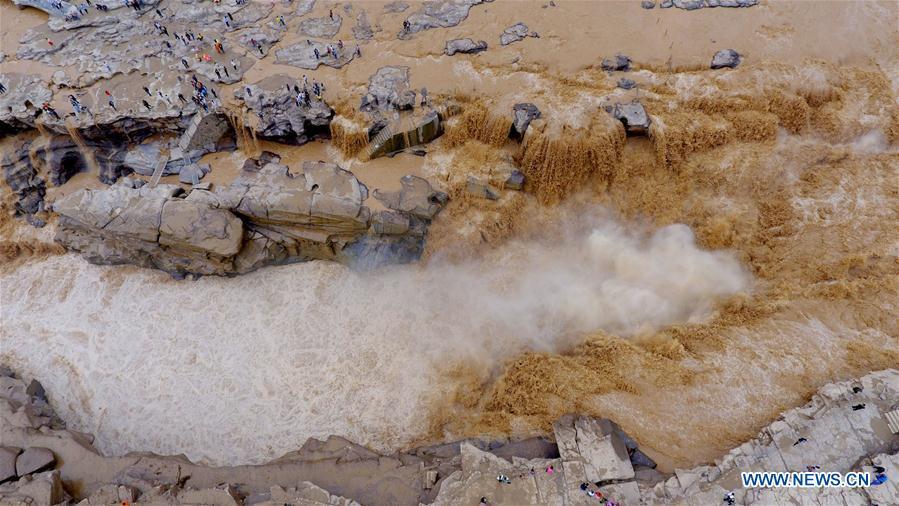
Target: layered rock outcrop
x,y
266,216
277,113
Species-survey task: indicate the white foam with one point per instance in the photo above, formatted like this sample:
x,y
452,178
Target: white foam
x,y
242,370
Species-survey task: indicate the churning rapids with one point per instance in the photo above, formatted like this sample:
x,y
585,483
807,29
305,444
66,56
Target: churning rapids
x,y
243,370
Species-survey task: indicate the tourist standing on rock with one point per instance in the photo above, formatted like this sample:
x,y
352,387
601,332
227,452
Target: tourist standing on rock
x,y
147,90
331,14
234,64
357,52
184,62
2,89
112,104
225,20
147,105
281,20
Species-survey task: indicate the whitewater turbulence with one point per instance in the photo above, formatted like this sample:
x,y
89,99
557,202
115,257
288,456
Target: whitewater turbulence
x,y
263,361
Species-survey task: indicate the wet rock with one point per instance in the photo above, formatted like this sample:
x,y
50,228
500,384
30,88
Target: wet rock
x,y
464,46
193,173
620,63
515,33
515,181
265,158
23,179
633,116
477,188
274,102
325,27
522,115
626,84
648,4
388,89
142,159
416,197
666,4
437,14
726,58
34,459
8,463
390,223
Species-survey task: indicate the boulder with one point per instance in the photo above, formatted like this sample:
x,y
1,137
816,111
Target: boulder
x,y
620,63
648,4
515,33
515,181
416,197
522,115
626,84
633,116
726,58
8,463
193,173
33,460
464,46
689,5
435,14
388,89
596,444
477,188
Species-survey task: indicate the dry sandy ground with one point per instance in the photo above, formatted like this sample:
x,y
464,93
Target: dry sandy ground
x,y
790,162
